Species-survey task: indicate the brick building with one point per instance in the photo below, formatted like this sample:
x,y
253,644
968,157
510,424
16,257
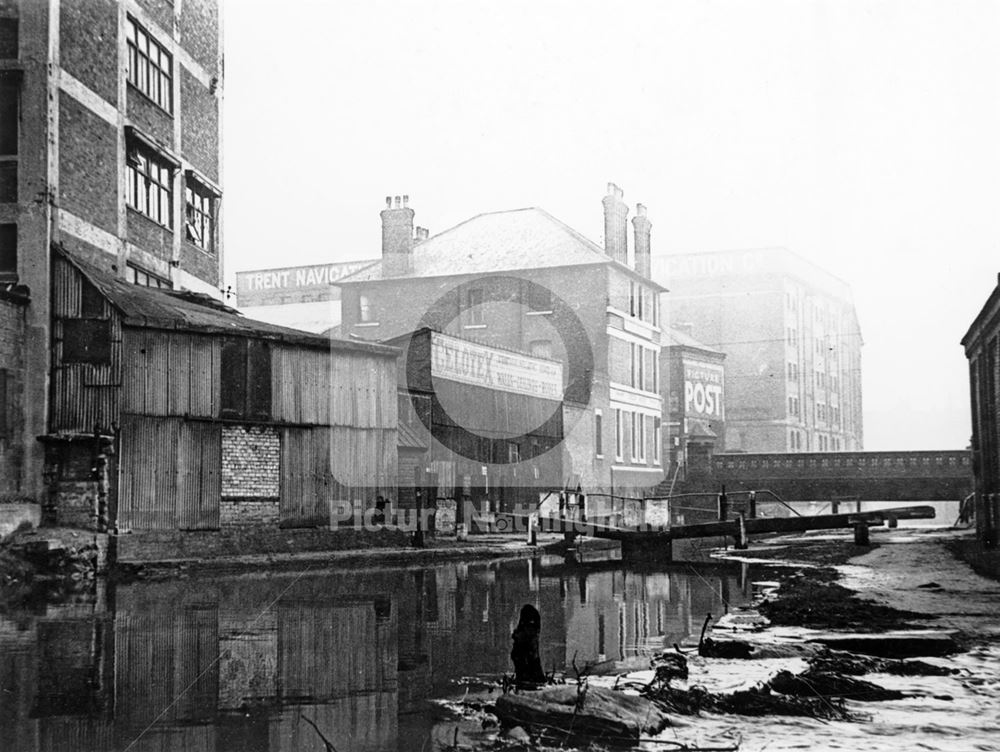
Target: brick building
x,y
694,399
792,343
523,280
982,348
110,149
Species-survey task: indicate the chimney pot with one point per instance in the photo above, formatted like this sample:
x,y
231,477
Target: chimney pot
x,y
388,202
396,201
615,225
406,200
640,209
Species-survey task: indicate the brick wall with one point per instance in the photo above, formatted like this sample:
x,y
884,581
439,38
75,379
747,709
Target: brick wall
x,y
251,465
248,512
12,392
200,125
91,57
88,165
150,118
200,263
200,32
152,237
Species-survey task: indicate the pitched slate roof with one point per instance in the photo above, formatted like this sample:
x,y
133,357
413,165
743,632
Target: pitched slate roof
x,y
498,242
152,308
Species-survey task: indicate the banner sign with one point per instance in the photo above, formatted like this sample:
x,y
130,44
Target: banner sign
x,y
702,389
471,363
257,287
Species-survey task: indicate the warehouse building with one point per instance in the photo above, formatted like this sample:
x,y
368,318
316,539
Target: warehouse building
x,y
792,343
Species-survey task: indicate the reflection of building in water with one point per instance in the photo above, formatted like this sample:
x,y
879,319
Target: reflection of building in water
x,y
615,614
240,664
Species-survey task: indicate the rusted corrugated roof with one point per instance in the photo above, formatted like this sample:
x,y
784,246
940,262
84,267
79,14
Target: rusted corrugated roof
x,y
152,308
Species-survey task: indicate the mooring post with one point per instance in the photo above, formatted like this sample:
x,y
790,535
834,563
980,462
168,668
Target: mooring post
x,y
533,529
723,506
835,507
893,522
741,533
861,533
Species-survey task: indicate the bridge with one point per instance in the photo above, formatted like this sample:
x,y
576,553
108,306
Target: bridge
x,y
822,476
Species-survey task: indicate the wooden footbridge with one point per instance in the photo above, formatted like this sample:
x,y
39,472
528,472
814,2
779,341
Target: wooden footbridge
x,y
644,539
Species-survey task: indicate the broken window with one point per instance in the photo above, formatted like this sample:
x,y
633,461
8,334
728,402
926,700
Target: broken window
x,y
246,379
150,66
199,213
86,341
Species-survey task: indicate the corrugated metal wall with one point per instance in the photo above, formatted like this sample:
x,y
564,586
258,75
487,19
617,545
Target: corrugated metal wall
x,y
83,395
170,474
171,373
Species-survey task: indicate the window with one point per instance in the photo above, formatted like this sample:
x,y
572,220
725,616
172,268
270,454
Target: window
x,y
474,308
640,420
513,453
598,433
150,66
631,299
9,95
87,339
539,299
142,277
199,214
633,435
246,379
619,435
641,295
149,182
366,311
657,440
8,253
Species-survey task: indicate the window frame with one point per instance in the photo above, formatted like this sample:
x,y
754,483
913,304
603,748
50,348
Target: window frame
x,y
598,433
148,168
200,213
144,66
247,393
619,435
475,316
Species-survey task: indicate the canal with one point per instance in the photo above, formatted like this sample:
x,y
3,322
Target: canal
x,y
252,662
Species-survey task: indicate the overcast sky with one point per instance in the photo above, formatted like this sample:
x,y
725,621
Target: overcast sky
x,y
861,135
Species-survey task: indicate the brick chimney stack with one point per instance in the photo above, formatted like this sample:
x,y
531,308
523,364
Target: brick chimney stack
x,y
615,224
397,236
641,225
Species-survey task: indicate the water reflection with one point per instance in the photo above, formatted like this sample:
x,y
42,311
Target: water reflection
x,y
279,662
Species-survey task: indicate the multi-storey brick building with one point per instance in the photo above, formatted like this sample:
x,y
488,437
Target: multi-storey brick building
x,y
792,344
109,149
523,280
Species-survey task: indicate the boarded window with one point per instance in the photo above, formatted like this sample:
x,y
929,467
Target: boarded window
x,y
91,302
87,341
8,182
246,379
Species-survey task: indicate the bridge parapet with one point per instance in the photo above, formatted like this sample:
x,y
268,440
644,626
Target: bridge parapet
x,y
917,464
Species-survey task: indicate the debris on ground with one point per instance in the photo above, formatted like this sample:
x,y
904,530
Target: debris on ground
x,y
596,713
813,683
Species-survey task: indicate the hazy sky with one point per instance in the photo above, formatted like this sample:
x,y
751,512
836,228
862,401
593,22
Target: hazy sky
x,y
863,135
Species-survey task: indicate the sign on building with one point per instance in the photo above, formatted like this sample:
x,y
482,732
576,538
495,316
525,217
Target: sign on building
x,y
287,284
471,363
703,389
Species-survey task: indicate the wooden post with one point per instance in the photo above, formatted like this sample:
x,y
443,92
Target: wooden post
x,y
418,534
861,533
835,507
893,522
741,534
533,529
753,505
723,506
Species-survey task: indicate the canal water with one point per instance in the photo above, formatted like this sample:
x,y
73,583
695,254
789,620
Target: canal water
x,y
245,663
370,661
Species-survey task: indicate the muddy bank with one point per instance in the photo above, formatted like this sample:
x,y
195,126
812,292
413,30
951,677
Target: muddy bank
x,y
50,567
